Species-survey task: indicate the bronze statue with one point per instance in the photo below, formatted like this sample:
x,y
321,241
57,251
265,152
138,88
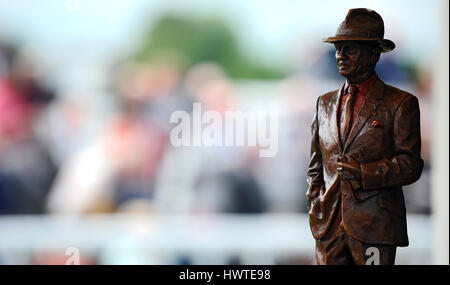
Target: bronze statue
x,y
365,147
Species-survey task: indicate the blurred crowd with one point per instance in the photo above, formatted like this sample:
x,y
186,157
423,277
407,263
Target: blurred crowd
x,y
60,154
27,170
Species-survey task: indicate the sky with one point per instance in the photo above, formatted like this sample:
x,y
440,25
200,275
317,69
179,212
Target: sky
x,y
77,32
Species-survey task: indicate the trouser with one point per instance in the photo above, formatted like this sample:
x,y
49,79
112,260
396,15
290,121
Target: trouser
x,y
336,247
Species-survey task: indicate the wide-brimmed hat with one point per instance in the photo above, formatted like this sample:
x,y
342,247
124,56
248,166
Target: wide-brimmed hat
x,y
362,24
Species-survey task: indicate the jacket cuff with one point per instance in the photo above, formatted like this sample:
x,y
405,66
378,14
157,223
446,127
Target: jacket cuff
x,y
356,185
373,174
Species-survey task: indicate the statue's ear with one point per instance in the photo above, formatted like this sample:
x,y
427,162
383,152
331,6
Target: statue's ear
x,y
376,52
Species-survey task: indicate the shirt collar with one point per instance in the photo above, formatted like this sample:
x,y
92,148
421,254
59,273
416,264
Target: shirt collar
x,y
364,86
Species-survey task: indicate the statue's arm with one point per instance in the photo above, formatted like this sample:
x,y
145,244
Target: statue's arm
x,y
315,169
405,167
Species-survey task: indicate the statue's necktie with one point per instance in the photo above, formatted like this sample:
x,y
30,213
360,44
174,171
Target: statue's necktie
x,y
347,111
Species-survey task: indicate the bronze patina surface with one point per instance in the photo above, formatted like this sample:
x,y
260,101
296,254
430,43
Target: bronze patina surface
x,y
358,164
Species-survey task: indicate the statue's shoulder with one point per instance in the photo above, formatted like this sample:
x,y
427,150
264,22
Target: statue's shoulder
x,y
398,95
329,96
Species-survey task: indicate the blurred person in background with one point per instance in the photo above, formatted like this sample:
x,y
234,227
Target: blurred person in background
x,y
117,170
210,179
290,165
26,169
418,195
139,135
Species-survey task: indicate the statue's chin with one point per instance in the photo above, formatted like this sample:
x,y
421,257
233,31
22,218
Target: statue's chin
x,y
344,73
345,70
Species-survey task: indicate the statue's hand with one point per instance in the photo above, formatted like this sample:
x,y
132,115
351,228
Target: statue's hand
x,y
349,168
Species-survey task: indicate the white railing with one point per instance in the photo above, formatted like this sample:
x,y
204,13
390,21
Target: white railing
x,y
163,239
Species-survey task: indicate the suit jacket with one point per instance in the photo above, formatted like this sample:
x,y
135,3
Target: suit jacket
x,y
385,140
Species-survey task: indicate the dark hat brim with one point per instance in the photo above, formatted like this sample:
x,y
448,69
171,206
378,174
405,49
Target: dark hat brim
x,y
385,44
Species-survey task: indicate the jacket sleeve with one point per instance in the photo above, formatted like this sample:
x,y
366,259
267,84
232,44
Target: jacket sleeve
x,y
405,166
315,169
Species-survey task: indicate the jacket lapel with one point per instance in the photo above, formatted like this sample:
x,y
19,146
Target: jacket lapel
x,y
335,116
368,109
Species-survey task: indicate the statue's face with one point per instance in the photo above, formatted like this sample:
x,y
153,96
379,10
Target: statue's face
x,y
354,58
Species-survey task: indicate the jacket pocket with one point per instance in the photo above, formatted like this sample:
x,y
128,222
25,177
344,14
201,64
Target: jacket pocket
x,y
366,194
391,207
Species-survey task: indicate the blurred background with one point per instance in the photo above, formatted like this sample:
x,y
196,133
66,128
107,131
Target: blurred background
x,y
86,92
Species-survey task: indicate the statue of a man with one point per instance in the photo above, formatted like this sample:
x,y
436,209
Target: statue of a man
x,y
365,147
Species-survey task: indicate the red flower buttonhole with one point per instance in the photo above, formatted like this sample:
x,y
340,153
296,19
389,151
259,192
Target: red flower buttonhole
x,y
377,124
